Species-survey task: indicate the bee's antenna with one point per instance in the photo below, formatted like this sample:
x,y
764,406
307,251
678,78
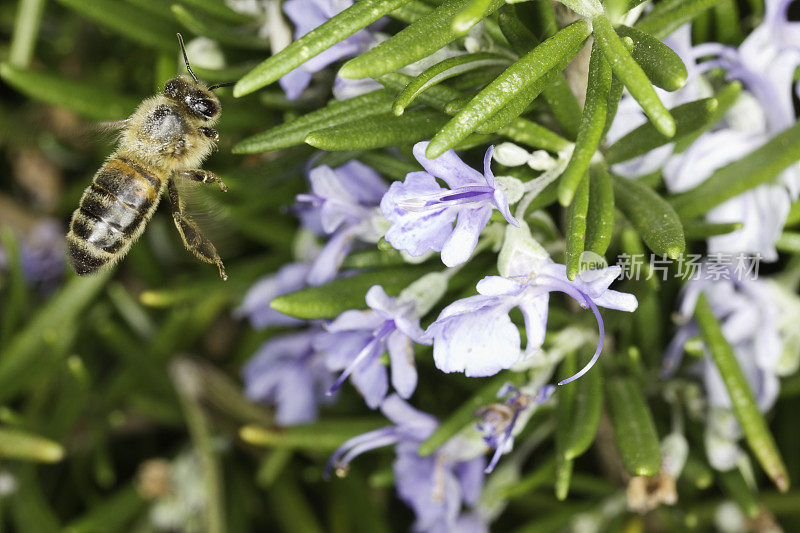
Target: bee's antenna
x,y
186,58
218,85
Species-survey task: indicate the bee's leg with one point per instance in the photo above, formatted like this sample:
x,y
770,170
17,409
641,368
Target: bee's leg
x,y
212,134
203,176
195,242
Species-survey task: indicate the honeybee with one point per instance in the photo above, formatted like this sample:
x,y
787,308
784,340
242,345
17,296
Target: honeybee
x,y
165,140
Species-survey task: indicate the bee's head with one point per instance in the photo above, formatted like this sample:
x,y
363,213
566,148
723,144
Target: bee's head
x,y
196,98
193,95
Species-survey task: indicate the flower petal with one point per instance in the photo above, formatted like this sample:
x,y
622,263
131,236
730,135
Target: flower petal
x,y
327,263
371,381
478,344
448,167
401,357
462,241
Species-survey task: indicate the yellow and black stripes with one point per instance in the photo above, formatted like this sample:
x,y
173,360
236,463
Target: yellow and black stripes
x,y
111,214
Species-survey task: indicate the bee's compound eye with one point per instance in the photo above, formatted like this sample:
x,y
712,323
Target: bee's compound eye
x,y
204,107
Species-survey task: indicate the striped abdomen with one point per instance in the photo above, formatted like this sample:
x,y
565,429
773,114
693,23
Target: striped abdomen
x,y
112,213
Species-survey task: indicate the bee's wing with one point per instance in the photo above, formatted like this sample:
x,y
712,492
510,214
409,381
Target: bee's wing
x,y
111,125
108,131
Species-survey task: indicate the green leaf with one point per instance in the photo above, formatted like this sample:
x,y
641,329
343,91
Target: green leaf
x,y
529,133
19,445
669,16
696,472
543,474
518,130
631,74
88,100
756,431
128,21
222,75
335,297
411,11
420,39
788,242
48,327
614,96
585,8
564,409
26,29
507,86
557,94
661,64
600,216
15,291
759,166
472,13
112,513
373,258
378,131
219,10
522,100
209,26
725,97
591,130
154,7
389,165
634,429
323,435
442,71
734,484
700,229
584,416
575,234
335,113
689,118
651,215
360,15
465,413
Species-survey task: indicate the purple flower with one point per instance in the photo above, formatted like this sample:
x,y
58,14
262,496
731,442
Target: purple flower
x,y
749,319
762,210
288,372
436,486
255,307
422,212
765,63
476,336
41,254
307,15
343,204
499,420
356,340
